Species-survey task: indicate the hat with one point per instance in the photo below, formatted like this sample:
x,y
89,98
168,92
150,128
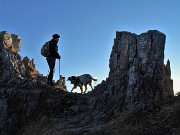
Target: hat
x,y
55,36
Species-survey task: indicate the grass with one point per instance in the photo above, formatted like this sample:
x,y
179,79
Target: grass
x,y
163,120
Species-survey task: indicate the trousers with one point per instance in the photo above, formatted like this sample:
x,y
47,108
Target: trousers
x,y
51,62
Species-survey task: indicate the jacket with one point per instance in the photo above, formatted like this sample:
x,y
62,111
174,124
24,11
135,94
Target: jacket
x,y
53,49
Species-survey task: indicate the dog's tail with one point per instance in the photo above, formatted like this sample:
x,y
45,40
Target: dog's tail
x,y
94,79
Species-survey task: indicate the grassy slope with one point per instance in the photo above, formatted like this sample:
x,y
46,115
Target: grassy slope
x,y
164,119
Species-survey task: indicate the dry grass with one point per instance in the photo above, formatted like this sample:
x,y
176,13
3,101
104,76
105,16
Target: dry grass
x,y
163,120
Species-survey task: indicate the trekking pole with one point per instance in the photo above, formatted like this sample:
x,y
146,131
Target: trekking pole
x,y
59,71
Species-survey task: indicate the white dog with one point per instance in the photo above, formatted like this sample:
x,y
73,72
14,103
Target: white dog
x,y
81,80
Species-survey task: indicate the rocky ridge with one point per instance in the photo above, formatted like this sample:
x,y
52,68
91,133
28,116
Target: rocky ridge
x,y
138,79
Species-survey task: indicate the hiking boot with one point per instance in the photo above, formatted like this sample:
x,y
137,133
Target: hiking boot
x,y
52,84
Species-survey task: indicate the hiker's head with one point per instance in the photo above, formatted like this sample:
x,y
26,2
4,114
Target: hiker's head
x,y
56,37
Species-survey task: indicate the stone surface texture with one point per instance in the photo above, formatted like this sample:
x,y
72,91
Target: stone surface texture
x,y
137,78
137,68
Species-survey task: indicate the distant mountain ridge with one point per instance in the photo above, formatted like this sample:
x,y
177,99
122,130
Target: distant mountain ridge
x,y
138,79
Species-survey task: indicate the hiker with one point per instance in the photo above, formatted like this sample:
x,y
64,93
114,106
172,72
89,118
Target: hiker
x,y
52,56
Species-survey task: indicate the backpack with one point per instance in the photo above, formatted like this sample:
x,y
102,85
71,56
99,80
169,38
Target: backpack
x,y
45,49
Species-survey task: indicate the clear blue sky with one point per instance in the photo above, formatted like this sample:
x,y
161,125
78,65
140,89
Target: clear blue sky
x,y
87,29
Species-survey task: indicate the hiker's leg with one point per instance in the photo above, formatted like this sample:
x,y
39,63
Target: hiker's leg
x,y
51,62
50,76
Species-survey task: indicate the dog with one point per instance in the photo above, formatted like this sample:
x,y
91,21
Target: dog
x,y
83,80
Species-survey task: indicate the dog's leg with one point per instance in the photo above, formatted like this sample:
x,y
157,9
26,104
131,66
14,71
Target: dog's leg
x,y
73,88
81,87
90,84
85,88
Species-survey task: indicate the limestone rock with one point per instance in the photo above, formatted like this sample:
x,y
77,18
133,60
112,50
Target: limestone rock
x,y
12,42
137,68
137,78
61,83
16,42
11,63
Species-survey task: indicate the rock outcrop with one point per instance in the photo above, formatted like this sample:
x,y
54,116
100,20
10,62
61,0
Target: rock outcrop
x,y
137,68
15,69
12,64
138,78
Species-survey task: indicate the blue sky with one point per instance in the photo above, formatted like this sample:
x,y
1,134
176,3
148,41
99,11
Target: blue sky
x,y
87,29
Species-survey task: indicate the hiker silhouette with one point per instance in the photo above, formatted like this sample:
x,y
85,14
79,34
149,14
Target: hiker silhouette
x,y
52,56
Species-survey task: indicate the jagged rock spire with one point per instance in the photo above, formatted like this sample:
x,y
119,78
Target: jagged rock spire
x,y
12,64
137,68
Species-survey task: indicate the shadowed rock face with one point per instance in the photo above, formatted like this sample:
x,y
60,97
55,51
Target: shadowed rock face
x,y
137,68
137,78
